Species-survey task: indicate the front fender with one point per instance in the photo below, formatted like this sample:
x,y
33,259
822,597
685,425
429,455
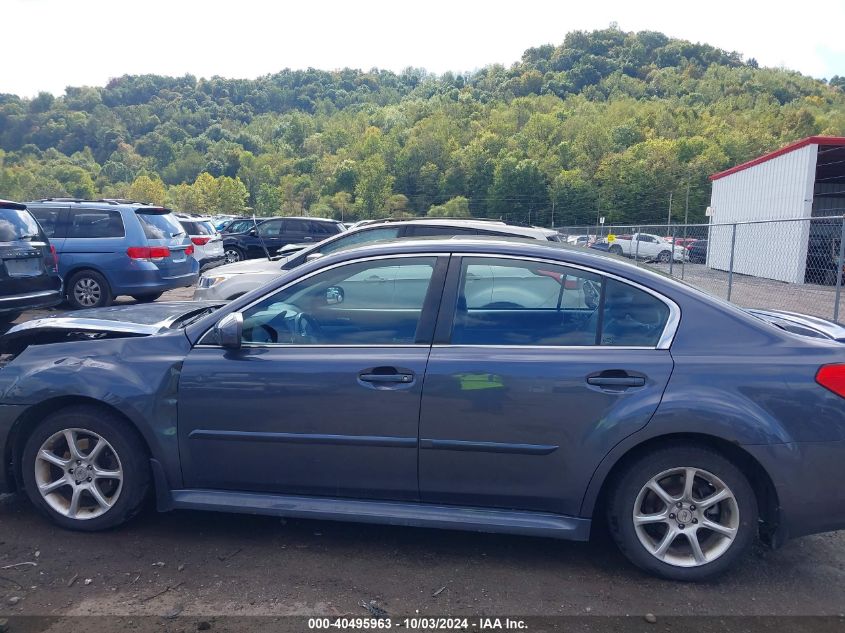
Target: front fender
x,y
138,377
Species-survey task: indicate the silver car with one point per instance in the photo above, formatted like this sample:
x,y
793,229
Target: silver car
x,y
233,280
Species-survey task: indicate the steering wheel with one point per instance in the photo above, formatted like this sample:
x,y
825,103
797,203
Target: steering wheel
x,y
305,327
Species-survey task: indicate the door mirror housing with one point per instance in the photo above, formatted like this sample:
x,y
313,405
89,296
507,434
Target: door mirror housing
x,y
229,330
290,248
252,232
312,256
334,295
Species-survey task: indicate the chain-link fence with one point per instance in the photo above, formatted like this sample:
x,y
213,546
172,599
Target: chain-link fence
x,y
793,265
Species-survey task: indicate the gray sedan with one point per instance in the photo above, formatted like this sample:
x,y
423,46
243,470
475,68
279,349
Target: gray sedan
x,y
496,386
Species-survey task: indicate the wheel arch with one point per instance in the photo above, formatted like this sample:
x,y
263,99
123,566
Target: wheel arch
x,y
595,499
25,424
78,268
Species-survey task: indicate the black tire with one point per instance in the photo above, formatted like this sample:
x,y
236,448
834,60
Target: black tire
x,y
633,478
147,298
615,249
664,257
98,293
125,444
233,254
6,318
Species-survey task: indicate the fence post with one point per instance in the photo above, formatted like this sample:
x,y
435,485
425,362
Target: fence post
x,y
839,272
731,267
672,252
637,249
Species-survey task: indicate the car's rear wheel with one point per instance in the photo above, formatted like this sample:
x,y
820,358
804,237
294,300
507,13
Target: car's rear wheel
x,y
147,298
85,469
683,512
88,289
233,254
616,249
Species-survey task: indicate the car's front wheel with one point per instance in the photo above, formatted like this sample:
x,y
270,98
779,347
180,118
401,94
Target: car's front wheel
x,y
664,257
85,468
683,512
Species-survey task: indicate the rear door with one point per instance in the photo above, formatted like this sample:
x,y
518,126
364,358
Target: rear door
x,y
94,238
297,231
537,370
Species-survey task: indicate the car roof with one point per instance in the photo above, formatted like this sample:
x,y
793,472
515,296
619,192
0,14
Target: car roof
x,y
103,203
8,204
473,223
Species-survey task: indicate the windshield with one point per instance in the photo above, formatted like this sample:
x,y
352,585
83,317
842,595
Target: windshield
x,y
159,225
18,225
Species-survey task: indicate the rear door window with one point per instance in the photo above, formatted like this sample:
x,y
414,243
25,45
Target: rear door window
x,y
296,226
48,219
513,302
159,225
95,223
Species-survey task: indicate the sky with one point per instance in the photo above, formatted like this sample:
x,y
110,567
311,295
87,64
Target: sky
x,y
86,42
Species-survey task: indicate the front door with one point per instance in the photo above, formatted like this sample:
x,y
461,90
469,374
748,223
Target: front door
x,y
323,397
536,372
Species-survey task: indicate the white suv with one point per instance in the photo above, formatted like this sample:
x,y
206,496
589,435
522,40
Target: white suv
x,y
232,280
208,244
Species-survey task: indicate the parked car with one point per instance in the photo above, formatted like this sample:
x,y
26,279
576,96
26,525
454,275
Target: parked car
x,y
468,389
208,244
265,236
648,247
233,280
28,275
237,225
697,252
108,248
580,240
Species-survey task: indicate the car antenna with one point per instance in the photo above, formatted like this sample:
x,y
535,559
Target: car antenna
x,y
261,238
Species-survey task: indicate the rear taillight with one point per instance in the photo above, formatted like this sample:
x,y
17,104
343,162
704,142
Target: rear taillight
x,y
189,250
200,241
832,377
148,252
55,257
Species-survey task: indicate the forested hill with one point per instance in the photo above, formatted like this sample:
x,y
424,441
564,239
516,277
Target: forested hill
x,y
607,121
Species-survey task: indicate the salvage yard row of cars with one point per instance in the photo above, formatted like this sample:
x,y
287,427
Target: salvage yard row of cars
x,y
480,376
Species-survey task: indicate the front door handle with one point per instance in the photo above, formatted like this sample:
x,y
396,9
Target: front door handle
x,y
394,378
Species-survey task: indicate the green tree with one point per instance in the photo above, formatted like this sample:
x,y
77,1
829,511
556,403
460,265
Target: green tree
x,y
146,189
457,207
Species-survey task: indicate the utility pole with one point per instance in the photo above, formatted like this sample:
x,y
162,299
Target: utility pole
x,y
553,212
686,206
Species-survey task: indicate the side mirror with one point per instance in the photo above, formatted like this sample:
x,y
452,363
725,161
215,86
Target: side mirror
x,y
229,330
252,232
334,295
290,248
312,256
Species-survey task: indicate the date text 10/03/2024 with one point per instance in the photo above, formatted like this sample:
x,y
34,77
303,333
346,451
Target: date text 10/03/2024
x,y
418,623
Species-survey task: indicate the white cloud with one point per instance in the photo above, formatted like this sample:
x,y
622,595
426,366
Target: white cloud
x,y
89,41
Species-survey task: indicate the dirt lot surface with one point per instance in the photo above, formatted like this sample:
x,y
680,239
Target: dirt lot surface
x,y
210,564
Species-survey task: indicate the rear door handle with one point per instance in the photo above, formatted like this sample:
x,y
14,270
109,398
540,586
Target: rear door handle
x,y
616,381
394,378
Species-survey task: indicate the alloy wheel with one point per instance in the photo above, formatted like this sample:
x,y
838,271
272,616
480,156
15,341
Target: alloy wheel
x,y
232,256
686,517
87,292
78,473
